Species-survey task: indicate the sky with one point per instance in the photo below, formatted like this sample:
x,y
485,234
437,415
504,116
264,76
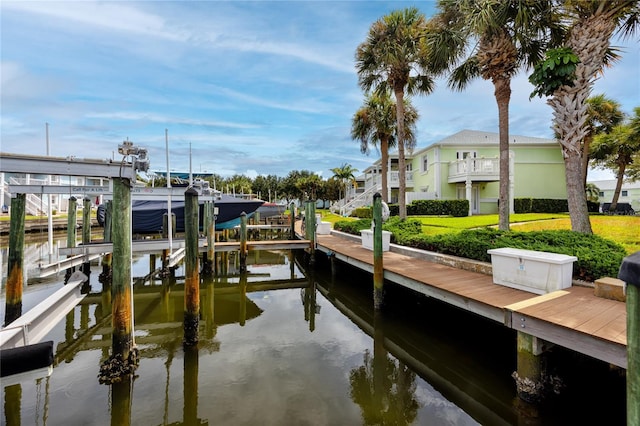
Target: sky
x,y
238,87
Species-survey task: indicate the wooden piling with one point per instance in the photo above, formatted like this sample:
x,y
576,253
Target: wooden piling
x,y
72,232
86,230
211,235
242,306
378,268
243,241
15,260
310,228
630,274
122,345
292,219
105,276
530,381
192,274
190,388
121,395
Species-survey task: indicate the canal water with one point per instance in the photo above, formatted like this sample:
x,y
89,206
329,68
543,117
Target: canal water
x,y
287,345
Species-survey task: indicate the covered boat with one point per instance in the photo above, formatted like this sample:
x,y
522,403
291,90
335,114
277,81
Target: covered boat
x,y
147,215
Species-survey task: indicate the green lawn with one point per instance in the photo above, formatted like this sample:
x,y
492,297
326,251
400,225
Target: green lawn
x,y
624,230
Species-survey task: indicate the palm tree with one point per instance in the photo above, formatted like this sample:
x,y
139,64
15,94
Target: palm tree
x,y
616,150
592,192
504,36
393,58
591,25
375,123
602,115
344,173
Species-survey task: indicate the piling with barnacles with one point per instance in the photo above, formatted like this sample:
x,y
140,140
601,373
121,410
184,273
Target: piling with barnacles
x,y
15,267
192,274
124,356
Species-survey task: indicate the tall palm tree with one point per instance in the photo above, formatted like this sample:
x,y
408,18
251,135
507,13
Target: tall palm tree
x,y
393,58
602,115
375,123
492,40
591,25
616,150
344,174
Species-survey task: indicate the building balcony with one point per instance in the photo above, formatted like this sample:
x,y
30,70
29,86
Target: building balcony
x,y
475,170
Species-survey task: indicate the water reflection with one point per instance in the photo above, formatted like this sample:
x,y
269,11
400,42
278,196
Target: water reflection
x,y
279,345
383,387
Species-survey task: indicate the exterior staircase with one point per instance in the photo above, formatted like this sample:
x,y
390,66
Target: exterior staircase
x,y
363,199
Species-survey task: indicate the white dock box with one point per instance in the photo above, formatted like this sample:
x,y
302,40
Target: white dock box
x,y
367,239
534,271
322,228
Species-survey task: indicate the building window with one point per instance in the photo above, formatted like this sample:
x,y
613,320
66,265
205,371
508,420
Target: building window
x,y
425,163
625,193
601,194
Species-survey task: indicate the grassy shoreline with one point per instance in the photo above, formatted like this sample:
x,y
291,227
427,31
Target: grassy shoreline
x,y
624,230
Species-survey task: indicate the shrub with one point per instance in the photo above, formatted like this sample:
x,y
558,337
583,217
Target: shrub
x,y
352,226
456,208
362,212
539,205
597,257
401,229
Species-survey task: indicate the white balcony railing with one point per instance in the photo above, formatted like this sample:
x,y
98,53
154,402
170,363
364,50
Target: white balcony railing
x,y
479,168
394,179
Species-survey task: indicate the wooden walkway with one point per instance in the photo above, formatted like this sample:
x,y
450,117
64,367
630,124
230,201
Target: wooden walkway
x,y
573,318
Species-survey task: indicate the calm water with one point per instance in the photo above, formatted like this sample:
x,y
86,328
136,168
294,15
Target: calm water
x,y
280,346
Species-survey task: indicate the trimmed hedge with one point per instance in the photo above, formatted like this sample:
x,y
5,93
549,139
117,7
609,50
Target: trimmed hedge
x,y
540,205
597,256
455,208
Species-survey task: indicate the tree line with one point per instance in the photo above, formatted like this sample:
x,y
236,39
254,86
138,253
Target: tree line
x,y
297,185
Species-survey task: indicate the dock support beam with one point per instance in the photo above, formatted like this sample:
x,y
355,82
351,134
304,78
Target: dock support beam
x,y
630,273
378,268
530,380
15,267
192,277
124,356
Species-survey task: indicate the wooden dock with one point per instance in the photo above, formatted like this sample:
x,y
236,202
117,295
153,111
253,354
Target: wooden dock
x,y
573,318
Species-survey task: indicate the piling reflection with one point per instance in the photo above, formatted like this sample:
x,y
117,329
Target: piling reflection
x,y
384,388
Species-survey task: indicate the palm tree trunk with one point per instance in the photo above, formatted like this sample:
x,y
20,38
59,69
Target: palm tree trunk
x,y
402,188
503,95
616,192
586,146
384,148
589,39
576,195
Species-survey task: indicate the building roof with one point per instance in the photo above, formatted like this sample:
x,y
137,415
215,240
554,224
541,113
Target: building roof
x,y
476,137
610,184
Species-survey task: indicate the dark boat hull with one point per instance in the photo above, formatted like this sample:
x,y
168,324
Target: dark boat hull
x,y
147,216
